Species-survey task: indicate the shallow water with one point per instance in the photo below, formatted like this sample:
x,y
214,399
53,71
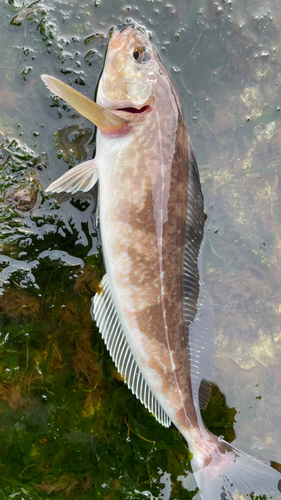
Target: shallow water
x,y
69,427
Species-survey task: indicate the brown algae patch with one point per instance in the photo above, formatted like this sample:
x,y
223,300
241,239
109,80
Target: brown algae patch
x,y
14,303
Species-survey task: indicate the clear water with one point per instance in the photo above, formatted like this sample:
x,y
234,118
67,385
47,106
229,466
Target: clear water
x,y
68,426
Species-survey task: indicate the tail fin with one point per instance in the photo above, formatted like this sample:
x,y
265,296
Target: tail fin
x,y
233,475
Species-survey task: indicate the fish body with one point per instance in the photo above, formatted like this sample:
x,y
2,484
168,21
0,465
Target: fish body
x,y
152,314
142,217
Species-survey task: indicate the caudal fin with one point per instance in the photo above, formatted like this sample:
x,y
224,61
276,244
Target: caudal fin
x,y
233,475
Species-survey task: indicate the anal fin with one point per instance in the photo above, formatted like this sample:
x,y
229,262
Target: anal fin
x,y
104,313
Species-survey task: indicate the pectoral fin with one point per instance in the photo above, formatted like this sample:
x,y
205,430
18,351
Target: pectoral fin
x,y
80,178
107,122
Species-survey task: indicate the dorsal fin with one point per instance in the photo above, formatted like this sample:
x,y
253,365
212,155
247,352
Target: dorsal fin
x,y
106,317
197,308
202,345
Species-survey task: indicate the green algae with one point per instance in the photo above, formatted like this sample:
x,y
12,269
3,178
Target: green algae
x,y
68,425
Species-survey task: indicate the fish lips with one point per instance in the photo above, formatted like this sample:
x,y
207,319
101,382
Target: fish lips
x,y
134,113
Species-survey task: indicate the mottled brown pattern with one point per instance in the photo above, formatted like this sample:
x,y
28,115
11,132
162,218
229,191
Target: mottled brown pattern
x,y
146,272
174,238
143,232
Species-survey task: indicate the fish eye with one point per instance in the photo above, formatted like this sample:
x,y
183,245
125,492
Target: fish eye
x,y
141,54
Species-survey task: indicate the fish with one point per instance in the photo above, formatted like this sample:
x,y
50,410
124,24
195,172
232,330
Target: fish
x,y
153,310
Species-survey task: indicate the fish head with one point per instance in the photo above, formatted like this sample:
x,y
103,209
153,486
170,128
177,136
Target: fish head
x,y
134,82
130,73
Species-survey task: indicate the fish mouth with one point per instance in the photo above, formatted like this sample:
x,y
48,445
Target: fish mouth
x,y
135,110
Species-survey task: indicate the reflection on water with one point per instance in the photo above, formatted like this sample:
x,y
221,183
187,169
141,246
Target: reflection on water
x,y
63,407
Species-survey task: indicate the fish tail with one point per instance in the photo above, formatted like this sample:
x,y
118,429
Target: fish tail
x,y
230,474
